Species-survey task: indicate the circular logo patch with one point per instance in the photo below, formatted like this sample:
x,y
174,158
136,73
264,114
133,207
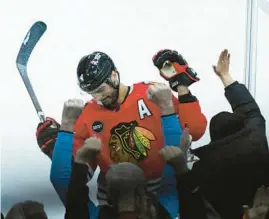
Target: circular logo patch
x,y
97,126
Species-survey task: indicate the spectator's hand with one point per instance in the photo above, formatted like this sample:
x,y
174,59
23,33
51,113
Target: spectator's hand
x,y
46,135
185,141
177,156
71,111
89,151
261,197
223,66
260,206
161,95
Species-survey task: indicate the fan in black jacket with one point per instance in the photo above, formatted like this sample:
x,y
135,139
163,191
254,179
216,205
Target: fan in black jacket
x,y
233,166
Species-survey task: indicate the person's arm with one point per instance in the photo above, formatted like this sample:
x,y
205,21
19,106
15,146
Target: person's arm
x,y
81,134
242,101
61,168
61,165
189,112
190,198
175,69
171,129
62,158
78,193
161,95
46,136
237,94
191,201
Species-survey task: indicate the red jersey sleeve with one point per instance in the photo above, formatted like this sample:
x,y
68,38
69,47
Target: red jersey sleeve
x,y
191,114
81,133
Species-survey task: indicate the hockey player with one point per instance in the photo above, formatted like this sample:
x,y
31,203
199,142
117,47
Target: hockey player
x,y
56,139
128,123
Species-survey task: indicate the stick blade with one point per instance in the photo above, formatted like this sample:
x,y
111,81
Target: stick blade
x,y
29,42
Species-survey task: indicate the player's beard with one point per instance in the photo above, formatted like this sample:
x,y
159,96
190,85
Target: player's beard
x,y
110,102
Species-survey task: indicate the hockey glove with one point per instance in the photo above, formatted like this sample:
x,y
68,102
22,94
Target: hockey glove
x,y
46,135
174,68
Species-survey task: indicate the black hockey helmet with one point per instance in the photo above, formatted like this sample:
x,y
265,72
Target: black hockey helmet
x,y
93,70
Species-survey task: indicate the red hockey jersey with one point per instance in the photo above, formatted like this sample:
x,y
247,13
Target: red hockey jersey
x,y
134,132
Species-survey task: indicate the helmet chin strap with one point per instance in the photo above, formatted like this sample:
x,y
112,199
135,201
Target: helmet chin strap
x,y
114,105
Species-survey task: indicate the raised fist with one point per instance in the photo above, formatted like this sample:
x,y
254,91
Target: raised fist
x,y
260,206
89,151
161,95
71,111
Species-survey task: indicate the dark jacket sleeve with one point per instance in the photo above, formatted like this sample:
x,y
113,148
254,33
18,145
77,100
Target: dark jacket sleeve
x,y
190,198
244,104
78,193
191,201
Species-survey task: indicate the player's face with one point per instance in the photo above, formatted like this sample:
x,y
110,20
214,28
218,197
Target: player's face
x,y
105,93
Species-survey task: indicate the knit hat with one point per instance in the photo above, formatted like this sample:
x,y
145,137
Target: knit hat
x,y
224,124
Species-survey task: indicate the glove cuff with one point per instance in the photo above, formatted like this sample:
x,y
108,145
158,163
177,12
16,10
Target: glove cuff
x,y
186,78
187,98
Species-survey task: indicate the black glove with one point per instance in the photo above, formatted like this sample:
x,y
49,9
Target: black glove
x,y
46,135
174,68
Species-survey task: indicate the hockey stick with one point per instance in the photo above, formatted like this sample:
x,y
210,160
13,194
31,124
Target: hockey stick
x,y
31,39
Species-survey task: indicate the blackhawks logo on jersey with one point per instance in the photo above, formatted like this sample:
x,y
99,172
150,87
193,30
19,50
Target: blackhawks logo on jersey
x,y
129,142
